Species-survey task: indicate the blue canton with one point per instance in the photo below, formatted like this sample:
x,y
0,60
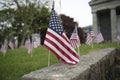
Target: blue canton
x,y
55,23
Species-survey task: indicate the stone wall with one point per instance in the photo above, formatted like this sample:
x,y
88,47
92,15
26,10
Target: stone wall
x,y
116,67
100,65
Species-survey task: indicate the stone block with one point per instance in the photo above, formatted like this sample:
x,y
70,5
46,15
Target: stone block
x,y
94,66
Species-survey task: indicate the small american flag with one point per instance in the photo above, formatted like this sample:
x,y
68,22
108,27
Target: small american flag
x,y
99,37
11,45
90,38
16,41
30,48
58,43
118,37
74,39
4,47
28,45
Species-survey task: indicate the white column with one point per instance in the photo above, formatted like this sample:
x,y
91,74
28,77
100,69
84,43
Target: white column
x,y
113,24
95,22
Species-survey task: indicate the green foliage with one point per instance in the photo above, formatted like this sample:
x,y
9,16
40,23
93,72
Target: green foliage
x,y
5,20
17,62
69,24
25,18
43,33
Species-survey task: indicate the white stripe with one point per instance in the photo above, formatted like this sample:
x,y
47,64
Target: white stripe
x,y
62,47
59,53
73,43
100,38
89,40
63,40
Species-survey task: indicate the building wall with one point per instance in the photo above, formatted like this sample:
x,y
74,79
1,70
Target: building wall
x,y
109,21
118,24
104,24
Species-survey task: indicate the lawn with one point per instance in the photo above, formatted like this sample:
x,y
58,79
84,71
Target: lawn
x,y
17,62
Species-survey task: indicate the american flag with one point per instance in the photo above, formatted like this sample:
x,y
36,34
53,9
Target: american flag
x,y
118,37
11,45
35,43
38,41
74,39
4,47
30,48
90,38
28,45
16,41
99,37
58,43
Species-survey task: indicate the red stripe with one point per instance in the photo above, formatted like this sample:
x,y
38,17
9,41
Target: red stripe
x,y
63,44
89,41
73,43
66,39
56,54
100,38
61,51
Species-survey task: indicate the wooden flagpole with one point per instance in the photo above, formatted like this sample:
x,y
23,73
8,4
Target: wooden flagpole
x,y
31,53
78,45
49,51
49,59
53,4
60,6
92,46
78,51
31,49
92,43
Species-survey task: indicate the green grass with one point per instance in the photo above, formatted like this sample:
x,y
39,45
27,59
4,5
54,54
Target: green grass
x,y
17,62
84,49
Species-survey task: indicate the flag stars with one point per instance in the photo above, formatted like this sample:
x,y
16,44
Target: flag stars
x,y
55,24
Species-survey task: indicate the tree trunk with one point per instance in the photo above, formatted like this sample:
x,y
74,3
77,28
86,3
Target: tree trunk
x,y
24,33
22,41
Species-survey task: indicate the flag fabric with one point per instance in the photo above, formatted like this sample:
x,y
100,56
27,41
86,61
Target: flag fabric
x,y
11,45
99,38
16,42
28,45
4,47
58,43
38,41
35,40
118,37
92,34
35,43
74,39
90,37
